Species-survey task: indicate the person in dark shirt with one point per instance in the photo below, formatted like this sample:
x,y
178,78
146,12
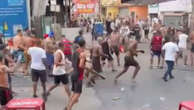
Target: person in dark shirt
x,y
79,37
136,31
78,63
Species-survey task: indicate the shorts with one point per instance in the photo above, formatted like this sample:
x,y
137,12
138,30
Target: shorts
x,y
5,95
108,57
130,61
115,49
61,78
39,74
96,64
156,53
146,31
77,86
69,57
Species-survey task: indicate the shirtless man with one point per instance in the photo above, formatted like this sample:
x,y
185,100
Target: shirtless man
x,y
115,43
106,51
19,47
96,62
192,48
130,61
28,42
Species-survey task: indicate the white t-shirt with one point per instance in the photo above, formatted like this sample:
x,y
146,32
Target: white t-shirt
x,y
112,25
170,51
59,70
183,41
124,31
37,54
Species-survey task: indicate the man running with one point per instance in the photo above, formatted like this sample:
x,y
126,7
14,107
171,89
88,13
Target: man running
x,y
106,51
130,60
38,67
79,59
115,43
171,50
59,72
28,42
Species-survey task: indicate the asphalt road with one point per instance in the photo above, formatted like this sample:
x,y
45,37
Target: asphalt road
x,y
149,92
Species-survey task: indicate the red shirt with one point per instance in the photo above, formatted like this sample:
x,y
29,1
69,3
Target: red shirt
x,y
67,45
156,43
81,70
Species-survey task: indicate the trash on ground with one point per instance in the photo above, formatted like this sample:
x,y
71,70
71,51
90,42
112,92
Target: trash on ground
x,y
116,98
162,98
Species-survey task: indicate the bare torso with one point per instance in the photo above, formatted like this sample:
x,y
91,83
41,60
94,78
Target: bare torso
x,y
48,45
115,39
18,42
96,50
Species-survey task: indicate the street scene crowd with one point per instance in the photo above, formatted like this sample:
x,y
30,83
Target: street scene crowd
x,y
71,62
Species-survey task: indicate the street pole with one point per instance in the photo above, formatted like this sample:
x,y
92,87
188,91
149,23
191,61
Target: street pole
x,y
29,13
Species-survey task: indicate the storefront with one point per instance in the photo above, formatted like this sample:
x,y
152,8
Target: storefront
x,y
85,7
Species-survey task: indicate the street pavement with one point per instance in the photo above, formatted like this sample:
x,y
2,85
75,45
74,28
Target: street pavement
x,y
149,92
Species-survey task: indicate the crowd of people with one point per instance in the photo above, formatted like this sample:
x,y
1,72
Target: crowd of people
x,y
63,60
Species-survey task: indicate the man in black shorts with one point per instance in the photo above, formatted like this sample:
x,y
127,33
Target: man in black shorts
x,y
130,61
59,72
78,63
106,51
38,67
115,43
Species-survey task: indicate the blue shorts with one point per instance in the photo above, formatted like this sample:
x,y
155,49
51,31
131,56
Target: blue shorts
x,y
156,53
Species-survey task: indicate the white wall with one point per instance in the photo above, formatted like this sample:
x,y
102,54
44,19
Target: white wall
x,y
177,5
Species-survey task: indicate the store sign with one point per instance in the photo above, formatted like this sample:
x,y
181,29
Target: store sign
x,y
153,9
85,6
13,16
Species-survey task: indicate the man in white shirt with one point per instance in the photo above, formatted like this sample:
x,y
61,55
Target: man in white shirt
x,y
170,49
112,25
59,72
182,44
124,30
38,67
